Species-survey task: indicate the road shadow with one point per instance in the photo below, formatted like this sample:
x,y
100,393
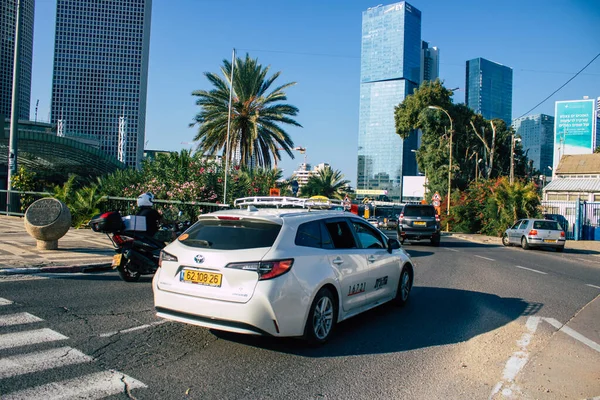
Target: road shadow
x,y
96,276
418,253
433,317
581,251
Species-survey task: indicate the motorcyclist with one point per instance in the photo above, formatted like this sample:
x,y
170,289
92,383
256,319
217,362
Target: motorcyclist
x,y
145,202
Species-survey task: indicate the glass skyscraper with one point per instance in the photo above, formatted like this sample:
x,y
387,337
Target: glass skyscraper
x,y
390,70
430,62
537,139
101,51
489,89
8,19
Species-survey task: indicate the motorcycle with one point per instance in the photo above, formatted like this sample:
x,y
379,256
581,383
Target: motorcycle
x,y
137,253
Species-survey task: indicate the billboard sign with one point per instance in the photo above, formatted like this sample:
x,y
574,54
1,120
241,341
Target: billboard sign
x,y
574,128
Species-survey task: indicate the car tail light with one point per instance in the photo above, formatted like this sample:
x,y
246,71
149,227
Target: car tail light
x,y
266,269
121,240
562,234
533,232
437,218
401,217
164,256
229,218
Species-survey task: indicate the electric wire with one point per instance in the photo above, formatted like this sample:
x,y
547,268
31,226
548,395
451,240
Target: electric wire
x,y
562,86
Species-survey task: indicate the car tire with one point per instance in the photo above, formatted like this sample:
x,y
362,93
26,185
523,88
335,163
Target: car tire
x,y
127,274
404,288
560,249
524,243
505,241
322,318
435,242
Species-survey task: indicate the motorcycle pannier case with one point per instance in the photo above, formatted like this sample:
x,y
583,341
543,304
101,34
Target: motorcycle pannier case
x,y
109,222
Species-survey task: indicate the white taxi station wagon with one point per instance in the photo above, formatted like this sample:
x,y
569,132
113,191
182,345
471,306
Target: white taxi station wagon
x,y
279,266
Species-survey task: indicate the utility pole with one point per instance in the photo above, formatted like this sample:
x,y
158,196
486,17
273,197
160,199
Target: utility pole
x,y
227,147
513,140
14,112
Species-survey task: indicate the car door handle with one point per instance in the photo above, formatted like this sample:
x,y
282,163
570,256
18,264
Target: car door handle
x,y
371,259
338,261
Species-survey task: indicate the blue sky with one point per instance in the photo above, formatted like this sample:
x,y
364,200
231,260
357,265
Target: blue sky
x,y
317,44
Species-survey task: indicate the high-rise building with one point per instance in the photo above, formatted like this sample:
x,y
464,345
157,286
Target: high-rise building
x,y
390,70
101,51
537,139
8,20
489,89
430,62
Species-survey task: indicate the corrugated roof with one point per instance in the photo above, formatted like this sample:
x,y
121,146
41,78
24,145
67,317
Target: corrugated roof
x,y
573,185
579,164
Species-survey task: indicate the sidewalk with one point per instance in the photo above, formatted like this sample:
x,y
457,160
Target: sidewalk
x,y
78,250
572,246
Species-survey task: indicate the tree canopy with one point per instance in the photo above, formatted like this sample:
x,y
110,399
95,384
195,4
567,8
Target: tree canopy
x,y
257,113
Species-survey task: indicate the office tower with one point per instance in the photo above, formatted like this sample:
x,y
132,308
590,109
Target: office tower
x,y
390,70
101,51
489,89
430,62
537,139
8,20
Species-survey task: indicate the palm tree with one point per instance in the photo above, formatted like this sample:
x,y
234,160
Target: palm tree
x,y
328,183
256,114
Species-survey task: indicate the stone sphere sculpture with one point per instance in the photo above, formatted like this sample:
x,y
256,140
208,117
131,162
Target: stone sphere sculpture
x,y
47,220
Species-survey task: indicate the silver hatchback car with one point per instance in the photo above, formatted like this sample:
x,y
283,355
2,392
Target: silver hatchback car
x,y
530,233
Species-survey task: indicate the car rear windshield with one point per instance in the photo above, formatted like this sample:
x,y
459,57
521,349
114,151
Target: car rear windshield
x,y
231,234
548,225
416,211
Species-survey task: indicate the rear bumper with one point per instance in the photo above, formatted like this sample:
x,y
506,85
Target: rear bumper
x,y
537,242
266,313
419,234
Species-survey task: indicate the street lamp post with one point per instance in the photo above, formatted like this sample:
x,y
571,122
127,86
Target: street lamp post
x,y
513,140
449,164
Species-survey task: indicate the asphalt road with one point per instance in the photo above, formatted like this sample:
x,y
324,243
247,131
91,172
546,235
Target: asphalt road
x,y
483,321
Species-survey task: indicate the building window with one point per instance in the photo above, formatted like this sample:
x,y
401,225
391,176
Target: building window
x,y
557,196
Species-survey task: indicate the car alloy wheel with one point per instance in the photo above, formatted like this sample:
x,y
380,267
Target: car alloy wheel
x,y
505,241
524,243
404,287
321,318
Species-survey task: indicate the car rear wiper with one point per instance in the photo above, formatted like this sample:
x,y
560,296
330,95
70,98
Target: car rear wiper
x,y
202,242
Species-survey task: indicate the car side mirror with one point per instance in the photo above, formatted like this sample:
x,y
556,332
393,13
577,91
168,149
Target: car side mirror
x,y
393,244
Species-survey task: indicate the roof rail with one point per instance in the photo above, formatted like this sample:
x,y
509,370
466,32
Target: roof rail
x,y
285,202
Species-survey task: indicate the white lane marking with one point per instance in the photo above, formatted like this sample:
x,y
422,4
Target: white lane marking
x,y
517,361
5,302
485,258
574,334
594,286
40,361
92,386
18,319
532,270
136,328
10,340
448,248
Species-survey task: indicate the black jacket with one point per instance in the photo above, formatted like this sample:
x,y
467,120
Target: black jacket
x,y
153,218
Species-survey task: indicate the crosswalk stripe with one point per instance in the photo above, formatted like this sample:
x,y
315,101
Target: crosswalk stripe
x,y
93,386
18,319
10,340
40,361
4,302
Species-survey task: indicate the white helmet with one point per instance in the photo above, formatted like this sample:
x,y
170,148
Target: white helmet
x,y
145,200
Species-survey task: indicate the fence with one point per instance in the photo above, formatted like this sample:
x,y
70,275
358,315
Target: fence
x,y
170,209
565,212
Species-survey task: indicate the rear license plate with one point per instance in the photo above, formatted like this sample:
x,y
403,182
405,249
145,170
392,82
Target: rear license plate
x,y
201,277
117,260
420,223
549,240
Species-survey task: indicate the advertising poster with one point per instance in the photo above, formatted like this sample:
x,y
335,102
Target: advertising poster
x,y
574,128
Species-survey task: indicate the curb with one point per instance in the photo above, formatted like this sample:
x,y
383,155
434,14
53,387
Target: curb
x,y
56,269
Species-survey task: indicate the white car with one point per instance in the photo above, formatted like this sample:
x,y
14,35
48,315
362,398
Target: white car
x,y
278,271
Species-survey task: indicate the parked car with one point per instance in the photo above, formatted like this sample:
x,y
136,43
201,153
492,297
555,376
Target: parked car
x,y
419,221
531,233
279,272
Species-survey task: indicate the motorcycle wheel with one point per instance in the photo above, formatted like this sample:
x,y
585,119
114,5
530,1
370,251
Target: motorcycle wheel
x,y
127,274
